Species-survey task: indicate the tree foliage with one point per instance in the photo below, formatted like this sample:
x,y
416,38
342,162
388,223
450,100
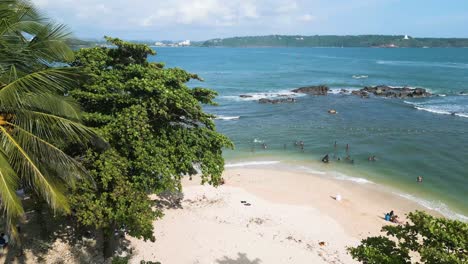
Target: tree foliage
x,y
434,240
156,129
36,119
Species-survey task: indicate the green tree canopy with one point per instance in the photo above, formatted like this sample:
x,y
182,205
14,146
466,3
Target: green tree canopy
x,y
36,119
434,240
156,129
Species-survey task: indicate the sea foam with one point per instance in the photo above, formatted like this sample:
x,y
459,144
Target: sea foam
x,y
221,117
436,206
344,177
260,95
424,64
251,163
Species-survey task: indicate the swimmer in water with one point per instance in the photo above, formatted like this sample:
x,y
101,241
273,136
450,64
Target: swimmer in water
x,y
419,179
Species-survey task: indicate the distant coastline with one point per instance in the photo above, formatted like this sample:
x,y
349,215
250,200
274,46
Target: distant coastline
x,y
369,41
316,41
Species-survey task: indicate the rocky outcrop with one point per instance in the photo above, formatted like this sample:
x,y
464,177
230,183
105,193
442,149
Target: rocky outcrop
x,y
277,101
312,90
396,92
361,93
245,96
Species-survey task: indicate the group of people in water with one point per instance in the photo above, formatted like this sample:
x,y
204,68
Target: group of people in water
x,y
326,158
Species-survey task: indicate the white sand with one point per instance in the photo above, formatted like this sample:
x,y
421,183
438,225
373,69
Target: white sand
x,y
290,214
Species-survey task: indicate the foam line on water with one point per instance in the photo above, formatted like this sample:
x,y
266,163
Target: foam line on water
x,y
221,117
312,171
257,96
344,177
360,76
251,163
424,64
436,107
436,206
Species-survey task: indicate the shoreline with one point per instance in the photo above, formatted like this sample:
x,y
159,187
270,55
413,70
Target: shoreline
x,y
289,214
353,175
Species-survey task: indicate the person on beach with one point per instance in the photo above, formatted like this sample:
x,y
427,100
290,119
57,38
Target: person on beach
x,y
264,146
302,145
387,217
3,240
419,179
334,150
325,159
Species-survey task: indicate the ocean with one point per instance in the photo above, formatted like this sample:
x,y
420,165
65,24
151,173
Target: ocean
x,y
409,137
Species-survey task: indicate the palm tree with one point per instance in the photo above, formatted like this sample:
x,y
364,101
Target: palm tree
x,y
36,116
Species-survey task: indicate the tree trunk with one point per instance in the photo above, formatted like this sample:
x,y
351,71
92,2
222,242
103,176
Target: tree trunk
x,y
109,241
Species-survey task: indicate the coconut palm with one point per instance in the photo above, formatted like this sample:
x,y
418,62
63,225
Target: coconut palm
x,y
36,118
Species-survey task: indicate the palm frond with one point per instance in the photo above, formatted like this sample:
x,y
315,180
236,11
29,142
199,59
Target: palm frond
x,y
51,127
25,165
48,43
51,80
50,157
9,182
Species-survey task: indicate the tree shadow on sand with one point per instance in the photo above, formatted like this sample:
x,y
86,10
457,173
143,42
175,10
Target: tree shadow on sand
x,y
169,200
42,229
241,259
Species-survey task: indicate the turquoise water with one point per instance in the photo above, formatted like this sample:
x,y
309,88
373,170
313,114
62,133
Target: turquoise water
x,y
426,137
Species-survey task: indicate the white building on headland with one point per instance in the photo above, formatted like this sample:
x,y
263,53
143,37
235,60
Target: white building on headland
x,y
406,37
184,43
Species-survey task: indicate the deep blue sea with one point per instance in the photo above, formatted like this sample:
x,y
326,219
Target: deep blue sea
x,y
414,137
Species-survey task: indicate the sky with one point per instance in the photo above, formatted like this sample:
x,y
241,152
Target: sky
x,y
208,19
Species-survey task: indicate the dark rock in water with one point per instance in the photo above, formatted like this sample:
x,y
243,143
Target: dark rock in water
x,y
245,96
313,90
361,93
463,93
396,92
344,91
277,101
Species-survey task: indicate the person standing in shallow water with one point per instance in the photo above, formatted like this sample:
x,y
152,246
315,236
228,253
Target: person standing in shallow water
x,y
334,150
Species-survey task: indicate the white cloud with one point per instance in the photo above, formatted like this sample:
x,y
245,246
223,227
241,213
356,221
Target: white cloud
x,y
287,7
306,18
202,19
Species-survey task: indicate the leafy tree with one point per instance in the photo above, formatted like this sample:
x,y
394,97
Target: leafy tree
x,y
434,240
36,120
157,132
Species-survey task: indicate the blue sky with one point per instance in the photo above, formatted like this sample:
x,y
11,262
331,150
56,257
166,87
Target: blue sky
x,y
206,19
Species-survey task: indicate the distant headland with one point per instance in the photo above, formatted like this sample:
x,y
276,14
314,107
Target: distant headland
x,y
368,41
377,41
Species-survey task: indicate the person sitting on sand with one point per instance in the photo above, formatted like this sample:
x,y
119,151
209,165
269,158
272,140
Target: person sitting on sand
x,y
395,220
387,217
325,159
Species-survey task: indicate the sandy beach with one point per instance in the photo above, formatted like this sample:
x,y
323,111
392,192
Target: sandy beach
x,y
292,217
